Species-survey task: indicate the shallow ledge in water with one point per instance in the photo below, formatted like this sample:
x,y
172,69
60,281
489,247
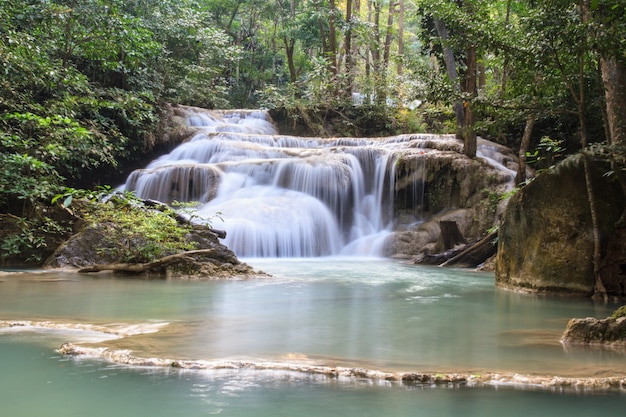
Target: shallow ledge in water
x,y
118,330
555,383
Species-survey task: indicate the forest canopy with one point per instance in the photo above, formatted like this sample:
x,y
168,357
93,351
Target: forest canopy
x,y
83,81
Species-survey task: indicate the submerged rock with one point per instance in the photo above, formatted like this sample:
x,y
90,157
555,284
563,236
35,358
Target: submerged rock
x,y
609,331
410,378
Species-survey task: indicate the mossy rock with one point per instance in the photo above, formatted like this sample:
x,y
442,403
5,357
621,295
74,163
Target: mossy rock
x,y
546,237
620,312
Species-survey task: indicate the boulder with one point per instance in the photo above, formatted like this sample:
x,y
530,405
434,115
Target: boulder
x,y
546,237
438,185
591,331
211,259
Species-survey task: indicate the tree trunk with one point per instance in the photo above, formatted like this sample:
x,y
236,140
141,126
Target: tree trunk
x,y
614,78
505,65
475,254
376,58
388,36
355,47
523,148
290,45
448,57
599,291
289,48
469,132
450,236
332,38
320,24
145,267
348,47
368,52
400,35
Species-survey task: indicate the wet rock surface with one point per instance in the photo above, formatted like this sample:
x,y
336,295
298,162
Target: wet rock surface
x,y
454,189
546,237
446,379
610,331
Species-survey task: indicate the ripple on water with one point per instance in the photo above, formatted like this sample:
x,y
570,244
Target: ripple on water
x,y
431,298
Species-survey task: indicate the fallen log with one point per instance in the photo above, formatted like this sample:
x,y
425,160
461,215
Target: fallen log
x,y
475,254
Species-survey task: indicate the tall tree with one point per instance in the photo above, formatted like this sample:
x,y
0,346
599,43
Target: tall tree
x,y
401,11
332,37
607,24
288,35
348,51
462,15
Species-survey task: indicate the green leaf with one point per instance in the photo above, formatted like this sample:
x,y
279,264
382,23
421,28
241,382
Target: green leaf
x,y
67,201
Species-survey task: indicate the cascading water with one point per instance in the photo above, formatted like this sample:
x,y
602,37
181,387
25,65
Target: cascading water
x,y
279,196
286,196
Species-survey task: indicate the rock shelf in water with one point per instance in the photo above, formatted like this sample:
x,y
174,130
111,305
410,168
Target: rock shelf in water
x,y
125,357
302,364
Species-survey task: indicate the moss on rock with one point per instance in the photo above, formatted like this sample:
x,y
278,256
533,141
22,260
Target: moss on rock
x,y
546,237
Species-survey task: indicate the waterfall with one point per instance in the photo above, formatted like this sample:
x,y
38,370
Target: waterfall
x,y
278,196
288,196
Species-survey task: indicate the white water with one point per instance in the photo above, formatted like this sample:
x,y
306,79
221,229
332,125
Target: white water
x,y
285,196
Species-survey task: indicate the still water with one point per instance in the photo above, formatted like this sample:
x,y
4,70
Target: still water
x,y
378,315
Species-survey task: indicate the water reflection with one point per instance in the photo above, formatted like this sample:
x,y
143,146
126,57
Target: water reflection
x,y
36,382
336,312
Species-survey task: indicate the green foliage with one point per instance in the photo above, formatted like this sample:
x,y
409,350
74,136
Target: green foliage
x,y
318,90
65,107
197,58
546,154
27,240
135,233
81,81
24,180
437,118
101,193
508,194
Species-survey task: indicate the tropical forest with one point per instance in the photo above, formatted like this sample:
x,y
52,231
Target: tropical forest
x,y
385,161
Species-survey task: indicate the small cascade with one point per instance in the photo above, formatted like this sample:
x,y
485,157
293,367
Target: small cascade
x,y
287,196
498,159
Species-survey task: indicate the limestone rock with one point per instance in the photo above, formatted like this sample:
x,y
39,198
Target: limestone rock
x,y
609,331
212,260
546,237
454,188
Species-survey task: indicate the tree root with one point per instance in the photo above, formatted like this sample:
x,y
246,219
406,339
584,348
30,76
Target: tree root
x,y
156,265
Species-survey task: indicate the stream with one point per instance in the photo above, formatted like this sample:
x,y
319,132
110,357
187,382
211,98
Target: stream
x,y
334,328
257,346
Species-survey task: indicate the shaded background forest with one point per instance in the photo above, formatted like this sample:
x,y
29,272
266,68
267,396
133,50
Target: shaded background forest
x,y
84,82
